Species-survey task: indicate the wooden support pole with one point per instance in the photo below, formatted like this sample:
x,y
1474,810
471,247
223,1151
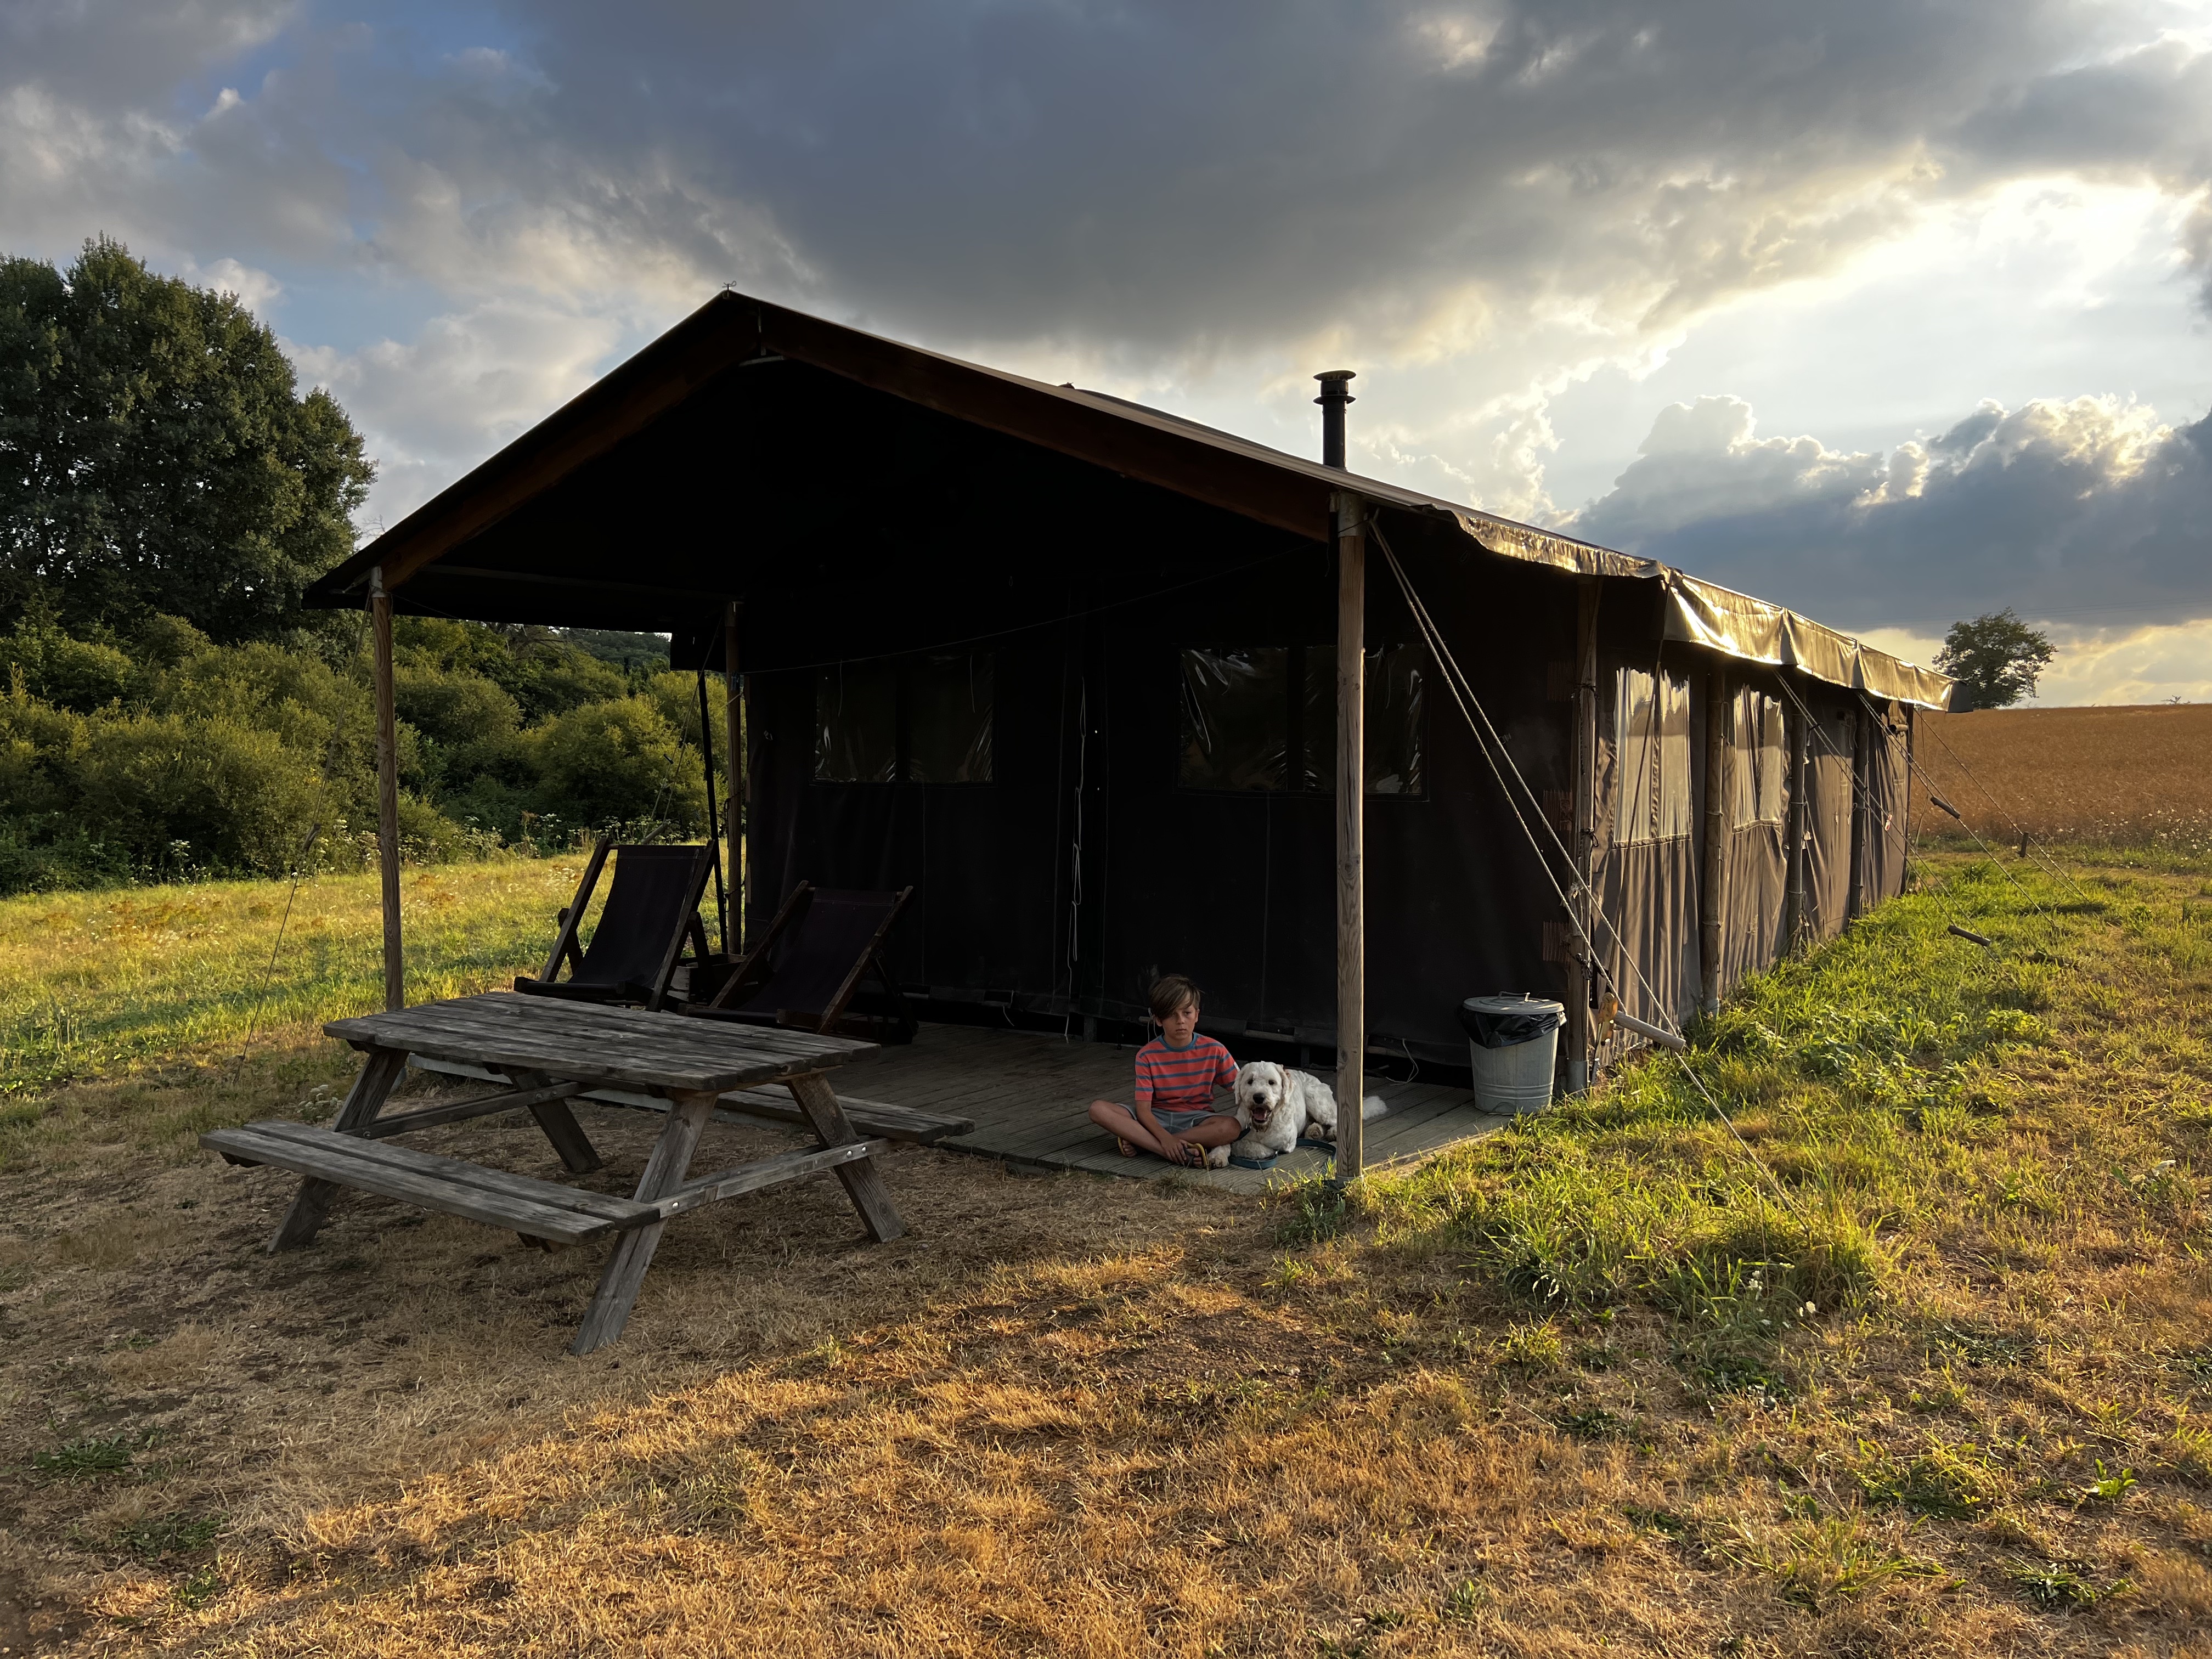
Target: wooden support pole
x,y
1793,926
734,738
1351,832
1582,973
1720,718
387,789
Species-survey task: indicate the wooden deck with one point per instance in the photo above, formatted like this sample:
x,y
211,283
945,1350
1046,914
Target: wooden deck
x,y
1027,1093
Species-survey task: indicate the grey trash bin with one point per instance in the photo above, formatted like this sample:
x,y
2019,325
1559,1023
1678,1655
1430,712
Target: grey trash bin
x,y
1512,1046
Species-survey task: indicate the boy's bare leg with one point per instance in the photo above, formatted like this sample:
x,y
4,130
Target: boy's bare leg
x,y
1121,1120
1146,1133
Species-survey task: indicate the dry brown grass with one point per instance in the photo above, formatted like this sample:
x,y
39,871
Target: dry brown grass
x,y
2133,777
1081,1415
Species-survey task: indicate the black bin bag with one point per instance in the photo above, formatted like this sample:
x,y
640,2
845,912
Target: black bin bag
x,y
1507,1022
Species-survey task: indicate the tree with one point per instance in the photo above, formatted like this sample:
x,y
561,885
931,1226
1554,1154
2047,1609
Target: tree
x,y
156,456
1997,657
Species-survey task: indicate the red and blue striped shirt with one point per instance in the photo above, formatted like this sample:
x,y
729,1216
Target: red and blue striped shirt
x,y
1182,1079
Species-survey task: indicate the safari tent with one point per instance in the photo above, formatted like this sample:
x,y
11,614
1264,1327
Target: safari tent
x,y
1085,675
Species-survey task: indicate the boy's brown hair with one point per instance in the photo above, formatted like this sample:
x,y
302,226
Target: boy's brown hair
x,y
1169,992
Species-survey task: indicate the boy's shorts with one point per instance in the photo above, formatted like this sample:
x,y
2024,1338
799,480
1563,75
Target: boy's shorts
x,y
1176,1122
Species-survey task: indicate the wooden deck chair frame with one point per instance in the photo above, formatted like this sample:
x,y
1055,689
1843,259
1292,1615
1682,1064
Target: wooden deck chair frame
x,y
750,975
565,948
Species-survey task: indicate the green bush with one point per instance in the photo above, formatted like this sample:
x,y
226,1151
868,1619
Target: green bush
x,y
52,857
165,755
619,760
677,696
453,706
80,675
38,755
543,673
179,793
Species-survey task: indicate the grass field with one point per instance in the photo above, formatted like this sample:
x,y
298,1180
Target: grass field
x,y
112,983
2136,779
1593,1385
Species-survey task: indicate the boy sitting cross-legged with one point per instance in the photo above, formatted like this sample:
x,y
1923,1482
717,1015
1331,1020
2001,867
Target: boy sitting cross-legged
x,y
1177,1072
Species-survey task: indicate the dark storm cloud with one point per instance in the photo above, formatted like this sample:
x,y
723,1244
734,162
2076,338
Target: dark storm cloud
x,y
1171,174
1165,178
2059,510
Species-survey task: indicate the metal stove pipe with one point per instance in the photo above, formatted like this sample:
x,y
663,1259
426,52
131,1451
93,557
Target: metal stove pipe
x,y
1334,395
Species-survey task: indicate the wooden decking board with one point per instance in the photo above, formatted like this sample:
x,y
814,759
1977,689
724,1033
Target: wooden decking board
x,y
1445,1129
1053,1134
1026,1093
878,1116
1412,1113
977,1094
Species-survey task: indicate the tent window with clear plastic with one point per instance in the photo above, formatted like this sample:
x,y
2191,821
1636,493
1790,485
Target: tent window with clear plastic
x,y
1264,718
920,720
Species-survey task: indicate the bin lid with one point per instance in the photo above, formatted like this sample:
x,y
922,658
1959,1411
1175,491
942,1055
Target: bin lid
x,y
1502,1022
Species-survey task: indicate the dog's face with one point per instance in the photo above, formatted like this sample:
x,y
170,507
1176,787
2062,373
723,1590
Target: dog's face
x,y
1260,1089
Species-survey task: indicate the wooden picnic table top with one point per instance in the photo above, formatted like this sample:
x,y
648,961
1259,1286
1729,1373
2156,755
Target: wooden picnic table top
x,y
661,1053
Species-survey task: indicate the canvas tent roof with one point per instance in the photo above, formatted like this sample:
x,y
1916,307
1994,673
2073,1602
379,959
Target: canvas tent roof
x,y
732,331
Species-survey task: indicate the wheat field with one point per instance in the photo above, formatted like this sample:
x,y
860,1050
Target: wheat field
x,y
2137,777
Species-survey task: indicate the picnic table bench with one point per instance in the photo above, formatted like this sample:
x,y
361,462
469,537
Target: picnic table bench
x,y
552,1052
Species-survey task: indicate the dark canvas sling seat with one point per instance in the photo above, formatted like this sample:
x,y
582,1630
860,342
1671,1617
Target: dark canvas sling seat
x,y
820,967
652,909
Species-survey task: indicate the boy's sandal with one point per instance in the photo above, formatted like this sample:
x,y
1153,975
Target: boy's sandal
x,y
1190,1154
1123,1147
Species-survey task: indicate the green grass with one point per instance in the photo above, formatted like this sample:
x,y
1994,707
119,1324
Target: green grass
x,y
153,1540
94,1454
139,1015
1869,1081
95,985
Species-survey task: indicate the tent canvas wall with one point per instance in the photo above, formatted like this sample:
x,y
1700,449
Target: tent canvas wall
x,y
1058,662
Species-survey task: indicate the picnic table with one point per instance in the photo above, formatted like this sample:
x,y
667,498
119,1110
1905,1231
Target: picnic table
x,y
551,1052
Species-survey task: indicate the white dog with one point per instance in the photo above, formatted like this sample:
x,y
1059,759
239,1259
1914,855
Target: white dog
x,y
1274,1104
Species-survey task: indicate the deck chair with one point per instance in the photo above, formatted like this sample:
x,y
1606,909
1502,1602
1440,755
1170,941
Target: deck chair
x,y
652,911
821,957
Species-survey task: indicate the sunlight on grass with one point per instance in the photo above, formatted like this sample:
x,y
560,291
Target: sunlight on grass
x,y
1862,1071
102,984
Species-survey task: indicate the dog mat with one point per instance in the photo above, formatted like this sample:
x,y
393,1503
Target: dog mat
x,y
1304,1142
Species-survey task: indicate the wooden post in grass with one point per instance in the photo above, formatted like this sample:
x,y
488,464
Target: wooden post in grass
x,y
1719,717
734,739
387,789
1351,831
1582,973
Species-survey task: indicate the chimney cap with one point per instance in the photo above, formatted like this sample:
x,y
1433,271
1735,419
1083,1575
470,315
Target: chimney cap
x,y
1333,387
1337,374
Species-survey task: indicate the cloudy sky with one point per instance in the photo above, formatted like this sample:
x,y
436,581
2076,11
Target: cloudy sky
x,y
1898,311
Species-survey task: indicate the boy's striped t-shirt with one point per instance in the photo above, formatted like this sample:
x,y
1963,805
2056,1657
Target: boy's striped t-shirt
x,y
1182,1079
